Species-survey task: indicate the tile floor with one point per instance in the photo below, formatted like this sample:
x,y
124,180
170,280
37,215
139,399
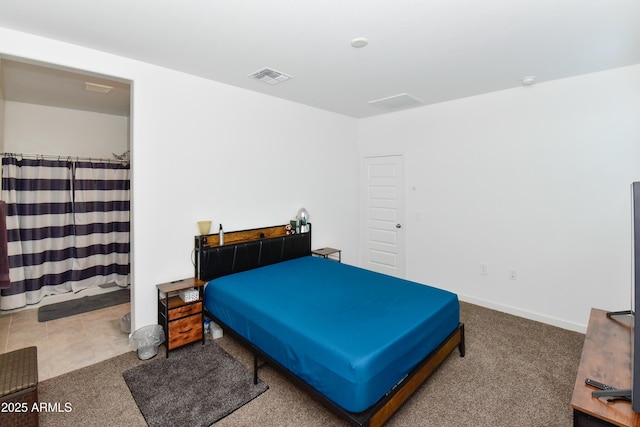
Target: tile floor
x,y
69,343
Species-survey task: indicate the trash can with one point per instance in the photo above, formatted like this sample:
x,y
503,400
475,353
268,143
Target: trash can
x,y
146,340
125,323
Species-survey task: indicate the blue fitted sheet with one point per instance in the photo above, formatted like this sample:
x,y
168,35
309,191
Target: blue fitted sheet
x,y
350,333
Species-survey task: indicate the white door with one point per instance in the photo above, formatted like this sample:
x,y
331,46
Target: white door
x,y
383,214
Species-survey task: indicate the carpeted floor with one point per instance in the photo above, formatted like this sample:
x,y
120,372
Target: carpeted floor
x,y
516,372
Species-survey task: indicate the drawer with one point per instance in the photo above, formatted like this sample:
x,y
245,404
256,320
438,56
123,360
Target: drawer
x,y
185,310
184,331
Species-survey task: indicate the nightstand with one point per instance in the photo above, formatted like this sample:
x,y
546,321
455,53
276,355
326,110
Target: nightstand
x,y
182,320
328,253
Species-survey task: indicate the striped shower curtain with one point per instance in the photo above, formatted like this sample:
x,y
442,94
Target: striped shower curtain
x,y
67,227
101,211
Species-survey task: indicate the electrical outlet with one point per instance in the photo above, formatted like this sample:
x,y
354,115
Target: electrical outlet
x,y
484,269
513,275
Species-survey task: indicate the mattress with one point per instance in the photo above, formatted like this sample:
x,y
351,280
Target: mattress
x,y
350,333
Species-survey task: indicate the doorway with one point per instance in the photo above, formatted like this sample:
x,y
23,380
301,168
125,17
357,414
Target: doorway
x,y
55,111
383,214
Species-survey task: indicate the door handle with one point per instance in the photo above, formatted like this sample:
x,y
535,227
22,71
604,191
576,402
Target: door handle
x,y
398,225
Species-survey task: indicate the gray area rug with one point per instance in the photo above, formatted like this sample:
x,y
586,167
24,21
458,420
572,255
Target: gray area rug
x,y
196,386
82,305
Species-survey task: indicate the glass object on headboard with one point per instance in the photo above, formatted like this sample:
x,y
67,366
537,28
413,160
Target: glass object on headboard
x,y
303,217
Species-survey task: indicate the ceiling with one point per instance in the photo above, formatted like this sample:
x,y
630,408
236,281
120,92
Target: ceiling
x,y
432,50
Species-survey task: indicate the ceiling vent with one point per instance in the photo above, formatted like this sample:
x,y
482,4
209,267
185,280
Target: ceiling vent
x,y
397,102
95,87
270,76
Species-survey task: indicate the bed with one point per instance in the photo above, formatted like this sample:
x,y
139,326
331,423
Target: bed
x,y
358,341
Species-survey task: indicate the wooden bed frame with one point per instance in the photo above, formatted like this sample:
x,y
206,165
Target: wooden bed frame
x,y
248,249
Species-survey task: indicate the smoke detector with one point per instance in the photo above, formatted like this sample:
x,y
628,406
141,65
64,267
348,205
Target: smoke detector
x,y
528,80
270,76
397,102
359,42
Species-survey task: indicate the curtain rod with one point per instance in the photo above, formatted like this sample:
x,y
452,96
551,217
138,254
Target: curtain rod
x,y
70,158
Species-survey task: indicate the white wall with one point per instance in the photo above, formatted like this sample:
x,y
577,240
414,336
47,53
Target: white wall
x,y
204,150
534,179
39,129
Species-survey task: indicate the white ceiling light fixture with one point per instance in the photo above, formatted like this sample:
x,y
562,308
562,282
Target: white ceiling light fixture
x,y
95,87
396,102
359,42
528,80
270,76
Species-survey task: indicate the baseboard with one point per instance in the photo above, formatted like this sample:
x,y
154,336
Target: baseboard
x,y
553,321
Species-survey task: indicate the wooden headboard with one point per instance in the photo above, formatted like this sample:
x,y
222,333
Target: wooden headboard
x,y
247,249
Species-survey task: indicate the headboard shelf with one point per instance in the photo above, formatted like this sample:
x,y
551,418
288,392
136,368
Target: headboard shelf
x,y
248,249
243,236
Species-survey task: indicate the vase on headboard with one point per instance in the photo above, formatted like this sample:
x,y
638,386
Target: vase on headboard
x,y
204,227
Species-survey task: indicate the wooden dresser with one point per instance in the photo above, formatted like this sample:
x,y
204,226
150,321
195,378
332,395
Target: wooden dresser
x,y
606,358
182,321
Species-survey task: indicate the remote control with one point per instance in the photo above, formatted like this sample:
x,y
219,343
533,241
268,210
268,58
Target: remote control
x,y
596,384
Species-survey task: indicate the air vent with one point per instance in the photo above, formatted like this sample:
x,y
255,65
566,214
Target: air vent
x,y
270,76
95,87
397,102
